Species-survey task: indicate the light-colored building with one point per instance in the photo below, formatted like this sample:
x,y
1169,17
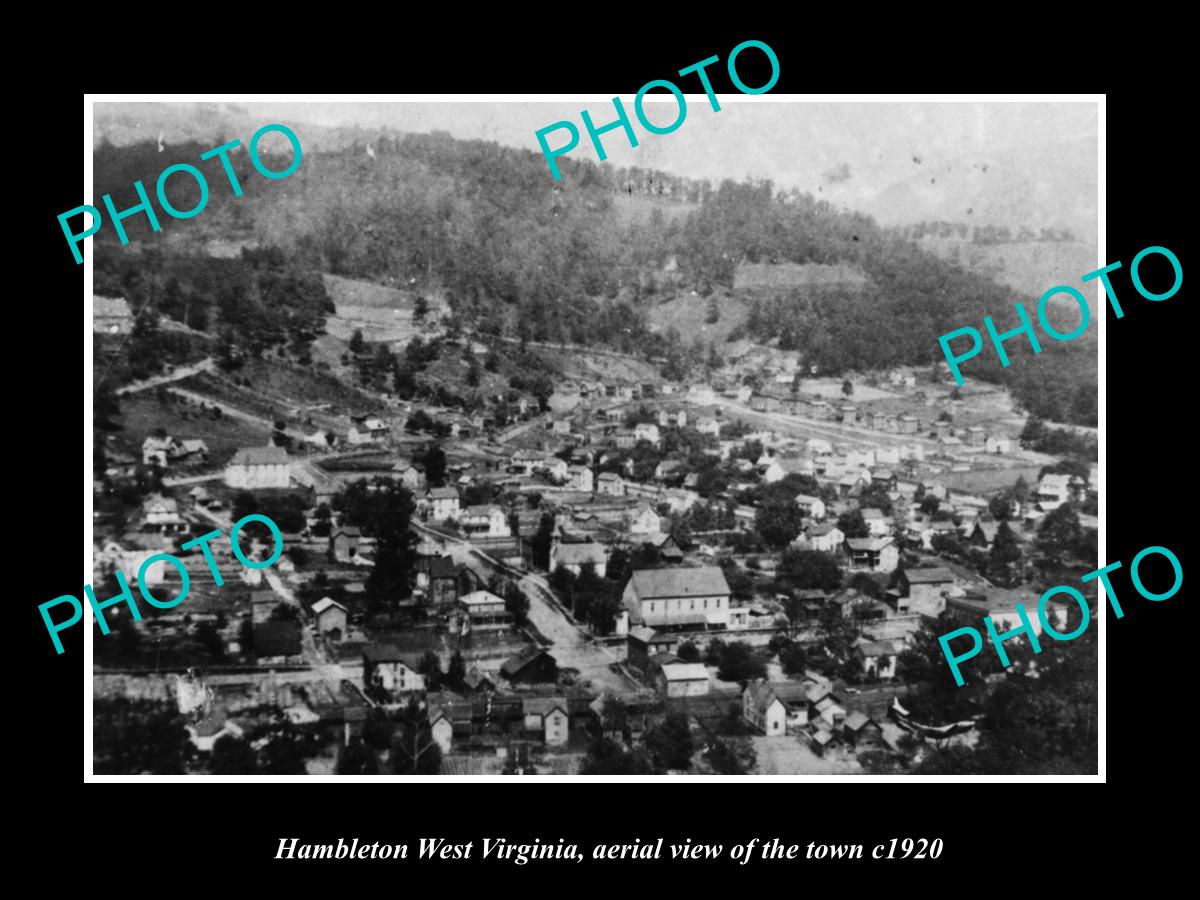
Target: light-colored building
x,y
330,618
580,478
872,554
645,521
484,608
487,521
386,667
258,467
611,484
548,717
661,598
682,680
442,503
574,556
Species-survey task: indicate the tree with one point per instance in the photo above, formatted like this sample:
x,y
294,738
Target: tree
x,y
930,504
139,737
731,756
431,667
1004,556
1059,533
836,633
852,524
420,308
284,750
778,520
738,662
233,756
210,639
688,652
809,570
456,670
414,751
1000,507
378,729
516,604
357,345
670,744
607,757
847,388
356,758
539,546
434,461
794,659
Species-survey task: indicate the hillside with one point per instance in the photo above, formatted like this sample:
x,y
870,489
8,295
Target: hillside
x,y
608,258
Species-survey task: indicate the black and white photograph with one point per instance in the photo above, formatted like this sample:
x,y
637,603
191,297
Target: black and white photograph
x,y
429,442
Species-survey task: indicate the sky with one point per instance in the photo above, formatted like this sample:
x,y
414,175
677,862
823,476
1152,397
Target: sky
x,y
1005,163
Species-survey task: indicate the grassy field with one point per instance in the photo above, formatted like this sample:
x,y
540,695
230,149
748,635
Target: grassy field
x,y
142,413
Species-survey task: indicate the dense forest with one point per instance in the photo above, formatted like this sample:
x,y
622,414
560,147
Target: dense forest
x,y
576,261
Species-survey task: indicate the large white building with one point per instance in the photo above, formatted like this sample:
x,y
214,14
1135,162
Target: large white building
x,y
258,467
695,597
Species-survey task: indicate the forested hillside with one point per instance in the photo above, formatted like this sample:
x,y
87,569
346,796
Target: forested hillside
x,y
517,254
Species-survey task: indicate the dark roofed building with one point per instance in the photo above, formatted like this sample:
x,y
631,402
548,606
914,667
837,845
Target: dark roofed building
x,y
276,638
530,666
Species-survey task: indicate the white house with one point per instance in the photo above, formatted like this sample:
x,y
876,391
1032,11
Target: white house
x,y
775,708
580,478
156,450
645,521
813,507
487,521
682,680
330,618
646,431
574,556
258,467
442,503
368,431
548,717
386,667
998,443
610,483
828,538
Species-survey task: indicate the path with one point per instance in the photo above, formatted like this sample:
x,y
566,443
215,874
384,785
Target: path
x,y
205,365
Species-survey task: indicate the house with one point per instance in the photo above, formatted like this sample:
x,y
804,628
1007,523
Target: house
x,y
924,590
998,443
484,608
579,478
647,431
330,618
975,436
276,640
813,507
527,461
625,439
441,503
443,580
878,658
476,681
668,548
344,542
701,393
574,556
828,538
1054,490
610,484
983,534
682,679
872,554
258,467
849,415
161,515
532,665
486,521
386,667
877,523
441,726
781,466
1000,604
908,424
642,644
775,708
862,732
156,451
368,431
645,521
678,597
548,717
555,468
709,425
408,475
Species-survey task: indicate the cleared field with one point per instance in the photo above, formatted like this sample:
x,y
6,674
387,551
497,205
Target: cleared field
x,y
141,414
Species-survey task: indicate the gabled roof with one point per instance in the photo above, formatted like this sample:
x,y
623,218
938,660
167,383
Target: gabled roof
x,y
326,603
872,544
682,671
377,654
442,493
878,648
519,661
652,584
543,706
936,575
480,598
260,456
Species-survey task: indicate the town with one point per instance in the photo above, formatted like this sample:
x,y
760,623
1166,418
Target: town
x,y
737,565
630,473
